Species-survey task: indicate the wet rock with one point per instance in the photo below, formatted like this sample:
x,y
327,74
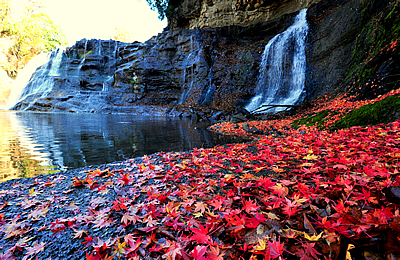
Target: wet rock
x,y
392,194
252,129
217,116
238,118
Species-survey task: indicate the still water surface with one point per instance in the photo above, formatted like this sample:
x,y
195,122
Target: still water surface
x,y
40,143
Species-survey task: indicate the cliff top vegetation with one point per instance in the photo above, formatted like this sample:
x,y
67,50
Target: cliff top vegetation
x,y
25,34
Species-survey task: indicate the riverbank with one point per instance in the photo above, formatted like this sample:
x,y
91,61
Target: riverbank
x,y
293,191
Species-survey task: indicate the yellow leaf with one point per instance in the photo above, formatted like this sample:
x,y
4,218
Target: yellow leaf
x,y
228,177
272,216
310,157
211,214
197,214
33,193
290,233
260,246
298,200
277,169
307,165
313,238
348,255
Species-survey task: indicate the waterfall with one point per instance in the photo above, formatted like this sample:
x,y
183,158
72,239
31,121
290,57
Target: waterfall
x,y
187,87
42,80
83,59
64,70
24,76
282,69
100,49
55,65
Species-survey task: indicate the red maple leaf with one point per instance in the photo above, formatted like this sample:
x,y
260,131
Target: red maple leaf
x,y
198,252
102,248
217,203
125,179
250,206
255,220
290,208
89,241
214,254
119,204
276,248
77,182
308,253
200,234
265,182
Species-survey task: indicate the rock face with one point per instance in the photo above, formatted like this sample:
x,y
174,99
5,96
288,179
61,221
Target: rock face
x,y
214,68
195,14
208,56
330,44
74,80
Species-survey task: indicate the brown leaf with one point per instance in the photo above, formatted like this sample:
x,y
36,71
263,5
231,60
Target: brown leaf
x,y
308,225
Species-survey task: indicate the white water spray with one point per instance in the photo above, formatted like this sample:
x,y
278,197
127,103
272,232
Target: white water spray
x,y
187,88
24,76
41,81
283,66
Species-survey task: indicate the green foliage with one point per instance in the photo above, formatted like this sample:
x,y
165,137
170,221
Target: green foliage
x,y
87,53
312,120
32,33
162,6
383,111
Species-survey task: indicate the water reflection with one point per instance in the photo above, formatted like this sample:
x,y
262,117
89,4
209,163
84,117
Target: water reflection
x,y
40,143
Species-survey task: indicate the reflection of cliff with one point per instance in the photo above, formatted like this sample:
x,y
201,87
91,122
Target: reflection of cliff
x,y
18,157
33,143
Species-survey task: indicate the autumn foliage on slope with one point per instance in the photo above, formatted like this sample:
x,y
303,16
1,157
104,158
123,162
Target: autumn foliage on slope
x,y
294,194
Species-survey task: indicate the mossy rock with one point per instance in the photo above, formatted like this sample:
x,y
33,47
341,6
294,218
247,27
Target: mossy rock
x,y
383,111
318,119
372,58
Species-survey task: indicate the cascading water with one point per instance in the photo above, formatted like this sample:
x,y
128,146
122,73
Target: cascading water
x,y
24,76
282,70
83,59
89,65
187,87
41,81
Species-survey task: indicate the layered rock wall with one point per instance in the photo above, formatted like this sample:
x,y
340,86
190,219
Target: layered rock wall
x,y
216,68
195,14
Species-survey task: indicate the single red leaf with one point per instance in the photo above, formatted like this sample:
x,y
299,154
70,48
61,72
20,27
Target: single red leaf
x,y
198,252
250,206
276,248
200,234
214,254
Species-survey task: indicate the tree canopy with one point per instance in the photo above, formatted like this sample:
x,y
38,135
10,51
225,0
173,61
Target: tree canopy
x,y
161,6
29,32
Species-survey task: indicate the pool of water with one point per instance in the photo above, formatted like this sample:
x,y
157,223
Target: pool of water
x,y
41,143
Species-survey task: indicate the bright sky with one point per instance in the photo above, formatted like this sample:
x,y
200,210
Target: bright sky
x,y
89,19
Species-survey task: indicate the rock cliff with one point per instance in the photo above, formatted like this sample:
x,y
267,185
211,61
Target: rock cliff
x,y
214,68
210,53
195,14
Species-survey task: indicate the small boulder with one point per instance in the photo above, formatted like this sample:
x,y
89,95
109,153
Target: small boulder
x,y
392,194
238,118
252,129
